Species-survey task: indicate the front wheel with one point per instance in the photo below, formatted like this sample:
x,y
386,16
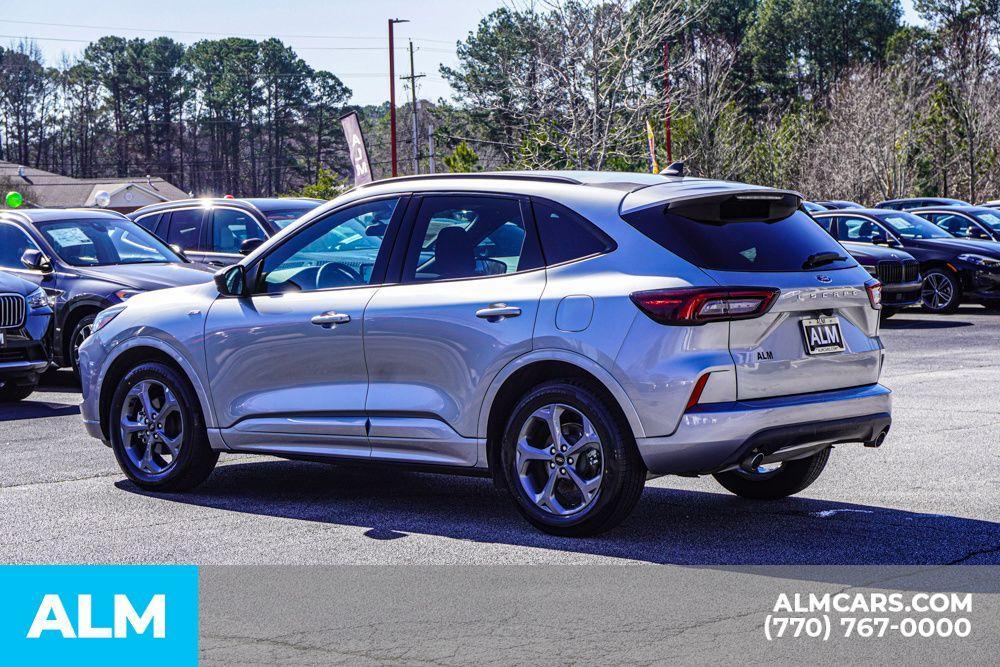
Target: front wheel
x,y
81,332
941,291
157,430
777,480
569,461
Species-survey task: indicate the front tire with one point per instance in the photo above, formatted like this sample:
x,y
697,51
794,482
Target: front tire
x,y
941,291
771,484
12,393
80,333
158,432
570,461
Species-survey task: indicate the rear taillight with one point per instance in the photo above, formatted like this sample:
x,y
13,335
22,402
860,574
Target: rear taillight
x,y
874,289
698,305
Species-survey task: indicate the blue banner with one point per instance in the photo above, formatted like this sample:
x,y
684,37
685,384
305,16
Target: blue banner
x,y
99,614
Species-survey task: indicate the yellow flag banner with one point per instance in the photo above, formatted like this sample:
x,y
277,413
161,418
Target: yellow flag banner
x,y
654,167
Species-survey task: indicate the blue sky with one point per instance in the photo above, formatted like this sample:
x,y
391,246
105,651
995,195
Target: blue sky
x,y
347,37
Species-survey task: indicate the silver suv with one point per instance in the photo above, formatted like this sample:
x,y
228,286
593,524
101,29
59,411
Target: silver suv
x,y
569,334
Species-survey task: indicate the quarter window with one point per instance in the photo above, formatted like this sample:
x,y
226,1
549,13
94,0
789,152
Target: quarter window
x,y
230,228
565,235
338,251
469,237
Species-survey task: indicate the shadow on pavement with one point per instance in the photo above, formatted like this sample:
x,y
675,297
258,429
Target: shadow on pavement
x,y
667,527
901,322
34,409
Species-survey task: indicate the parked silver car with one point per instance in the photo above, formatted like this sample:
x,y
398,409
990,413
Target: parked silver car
x,y
568,333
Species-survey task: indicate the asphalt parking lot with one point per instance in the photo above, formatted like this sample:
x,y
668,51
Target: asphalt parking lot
x,y
930,495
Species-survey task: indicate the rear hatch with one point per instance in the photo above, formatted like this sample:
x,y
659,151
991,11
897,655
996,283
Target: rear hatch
x,y
820,333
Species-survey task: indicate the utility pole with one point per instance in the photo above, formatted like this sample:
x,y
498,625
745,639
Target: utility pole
x,y
392,93
666,92
413,109
430,148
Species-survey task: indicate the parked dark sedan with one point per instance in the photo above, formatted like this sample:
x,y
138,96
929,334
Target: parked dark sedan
x,y
835,204
25,313
87,260
910,203
973,222
955,271
219,232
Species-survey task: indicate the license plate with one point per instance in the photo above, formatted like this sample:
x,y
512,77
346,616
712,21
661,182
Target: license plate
x,y
822,335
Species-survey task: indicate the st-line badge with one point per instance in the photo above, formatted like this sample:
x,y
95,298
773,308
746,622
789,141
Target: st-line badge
x,y
99,614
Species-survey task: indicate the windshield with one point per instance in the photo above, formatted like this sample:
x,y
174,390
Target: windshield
x,y
283,217
911,226
104,241
991,220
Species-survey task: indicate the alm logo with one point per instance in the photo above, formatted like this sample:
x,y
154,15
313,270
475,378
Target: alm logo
x,y
52,617
99,614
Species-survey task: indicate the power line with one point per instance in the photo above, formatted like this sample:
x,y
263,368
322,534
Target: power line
x,y
207,32
298,48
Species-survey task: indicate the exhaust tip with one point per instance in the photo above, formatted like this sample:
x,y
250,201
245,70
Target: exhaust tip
x,y
752,462
878,439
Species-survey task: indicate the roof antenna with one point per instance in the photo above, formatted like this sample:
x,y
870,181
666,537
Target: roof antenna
x,y
674,169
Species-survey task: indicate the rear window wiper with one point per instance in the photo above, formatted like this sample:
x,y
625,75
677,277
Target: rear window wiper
x,y
822,258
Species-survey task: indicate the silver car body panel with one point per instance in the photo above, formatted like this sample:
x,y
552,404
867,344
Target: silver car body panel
x,y
412,377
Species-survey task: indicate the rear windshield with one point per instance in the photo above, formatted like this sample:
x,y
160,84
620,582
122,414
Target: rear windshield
x,y
782,245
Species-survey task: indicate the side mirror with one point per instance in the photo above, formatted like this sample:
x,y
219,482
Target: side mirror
x,y
878,238
35,260
231,281
179,250
249,245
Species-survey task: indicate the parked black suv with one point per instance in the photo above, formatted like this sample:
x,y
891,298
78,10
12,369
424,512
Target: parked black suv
x,y
87,260
954,270
25,314
220,231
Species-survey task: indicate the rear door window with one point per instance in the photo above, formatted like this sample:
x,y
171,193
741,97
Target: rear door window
x,y
862,230
230,228
740,245
469,236
185,228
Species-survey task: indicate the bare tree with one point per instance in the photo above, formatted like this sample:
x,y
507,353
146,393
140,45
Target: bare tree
x,y
583,101
866,150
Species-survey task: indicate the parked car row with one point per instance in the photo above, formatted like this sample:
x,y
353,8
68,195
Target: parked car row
x,y
951,248
567,333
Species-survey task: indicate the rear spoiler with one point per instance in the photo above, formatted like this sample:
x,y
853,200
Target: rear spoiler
x,y
715,202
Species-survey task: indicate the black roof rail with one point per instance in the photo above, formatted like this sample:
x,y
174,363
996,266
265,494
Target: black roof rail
x,y
502,175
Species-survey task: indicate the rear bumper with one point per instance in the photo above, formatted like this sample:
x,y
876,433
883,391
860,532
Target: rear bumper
x,y
715,436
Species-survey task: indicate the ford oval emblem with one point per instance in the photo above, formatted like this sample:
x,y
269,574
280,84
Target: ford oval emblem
x,y
824,279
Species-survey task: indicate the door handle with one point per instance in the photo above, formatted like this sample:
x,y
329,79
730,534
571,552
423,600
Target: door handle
x,y
330,319
497,312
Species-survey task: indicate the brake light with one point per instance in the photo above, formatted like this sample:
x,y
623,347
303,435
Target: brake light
x,y
874,289
698,305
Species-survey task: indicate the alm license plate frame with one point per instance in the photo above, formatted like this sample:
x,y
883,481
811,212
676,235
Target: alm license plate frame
x,y
822,335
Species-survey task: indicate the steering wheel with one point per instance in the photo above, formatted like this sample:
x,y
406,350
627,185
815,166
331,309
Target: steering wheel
x,y
335,274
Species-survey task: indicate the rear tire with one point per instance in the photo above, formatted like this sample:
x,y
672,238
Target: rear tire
x,y
585,483
941,291
157,430
12,393
789,479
